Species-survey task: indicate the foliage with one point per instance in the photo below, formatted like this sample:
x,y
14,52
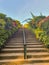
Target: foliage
x,y
40,26
35,20
2,16
7,27
45,26
2,23
44,38
37,31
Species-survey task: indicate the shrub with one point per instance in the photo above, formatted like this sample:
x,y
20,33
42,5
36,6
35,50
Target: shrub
x,y
37,31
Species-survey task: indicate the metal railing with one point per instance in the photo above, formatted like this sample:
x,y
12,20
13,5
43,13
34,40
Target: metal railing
x,y
24,41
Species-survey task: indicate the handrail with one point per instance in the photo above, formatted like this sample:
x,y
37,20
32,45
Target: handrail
x,y
24,41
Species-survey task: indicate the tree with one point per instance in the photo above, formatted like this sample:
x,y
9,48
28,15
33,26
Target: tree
x,y
18,24
45,26
8,19
35,20
2,23
2,16
8,23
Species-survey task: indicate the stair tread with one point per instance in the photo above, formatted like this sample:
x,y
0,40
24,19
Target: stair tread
x,y
6,49
35,45
15,46
12,54
35,64
38,53
37,49
27,60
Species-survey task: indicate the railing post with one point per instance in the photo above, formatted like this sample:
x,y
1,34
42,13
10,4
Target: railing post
x,y
25,56
24,41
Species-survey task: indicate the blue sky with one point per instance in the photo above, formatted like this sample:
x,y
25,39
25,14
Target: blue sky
x,y
20,9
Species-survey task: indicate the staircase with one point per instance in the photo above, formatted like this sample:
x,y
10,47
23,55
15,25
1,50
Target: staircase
x,y
13,52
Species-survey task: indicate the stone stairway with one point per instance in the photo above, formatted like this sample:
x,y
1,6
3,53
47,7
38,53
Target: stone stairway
x,y
13,53
37,54
13,49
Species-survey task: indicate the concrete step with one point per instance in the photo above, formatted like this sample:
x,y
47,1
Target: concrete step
x,y
18,46
31,40
28,46
34,64
16,38
12,41
24,63
14,44
31,60
6,49
37,49
35,46
34,43
44,59
22,54
37,55
14,50
11,56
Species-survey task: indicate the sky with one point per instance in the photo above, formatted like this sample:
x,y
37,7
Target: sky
x,y
20,9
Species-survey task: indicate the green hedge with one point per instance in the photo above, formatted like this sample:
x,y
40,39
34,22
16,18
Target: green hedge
x,y
5,34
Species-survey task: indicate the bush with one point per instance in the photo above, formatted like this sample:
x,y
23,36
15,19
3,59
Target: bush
x,y
7,27
37,31
42,36
5,34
